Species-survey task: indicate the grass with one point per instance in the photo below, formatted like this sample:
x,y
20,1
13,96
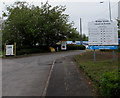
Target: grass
x,y
95,69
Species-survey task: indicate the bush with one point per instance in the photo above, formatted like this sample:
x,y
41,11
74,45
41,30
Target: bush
x,y
57,46
76,47
29,50
110,84
119,48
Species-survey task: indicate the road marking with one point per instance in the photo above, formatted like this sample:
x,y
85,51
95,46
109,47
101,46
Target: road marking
x,y
47,82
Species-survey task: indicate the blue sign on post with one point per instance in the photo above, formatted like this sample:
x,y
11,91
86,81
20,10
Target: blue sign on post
x,y
102,47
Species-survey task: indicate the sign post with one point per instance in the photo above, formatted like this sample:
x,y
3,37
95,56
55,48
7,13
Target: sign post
x,y
113,55
14,49
4,49
103,34
94,56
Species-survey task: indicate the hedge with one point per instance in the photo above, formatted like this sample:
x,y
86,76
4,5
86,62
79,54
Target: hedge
x,y
75,47
28,50
40,49
110,83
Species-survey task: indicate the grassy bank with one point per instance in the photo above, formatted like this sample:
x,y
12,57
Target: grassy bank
x,y
97,69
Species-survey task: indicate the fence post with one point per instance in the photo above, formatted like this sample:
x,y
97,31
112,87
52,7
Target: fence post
x,y
15,49
4,49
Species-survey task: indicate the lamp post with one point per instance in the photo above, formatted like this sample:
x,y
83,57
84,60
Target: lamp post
x,y
81,31
109,9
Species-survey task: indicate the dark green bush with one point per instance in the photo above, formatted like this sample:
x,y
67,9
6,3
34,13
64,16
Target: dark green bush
x,y
75,47
30,50
110,84
119,48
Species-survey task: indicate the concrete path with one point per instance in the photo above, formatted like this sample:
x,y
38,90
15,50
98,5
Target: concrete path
x,y
66,80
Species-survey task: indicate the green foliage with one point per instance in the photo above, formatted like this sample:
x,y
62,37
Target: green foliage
x,y
30,50
103,72
28,24
75,47
84,37
110,83
76,37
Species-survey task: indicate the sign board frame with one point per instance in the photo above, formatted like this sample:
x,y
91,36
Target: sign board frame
x,y
9,50
103,32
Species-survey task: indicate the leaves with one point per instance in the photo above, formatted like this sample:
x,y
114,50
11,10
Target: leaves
x,y
28,24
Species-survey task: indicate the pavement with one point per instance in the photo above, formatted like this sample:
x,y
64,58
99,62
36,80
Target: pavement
x,y
66,80
36,76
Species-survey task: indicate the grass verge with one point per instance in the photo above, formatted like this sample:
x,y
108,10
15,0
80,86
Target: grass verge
x,y
96,69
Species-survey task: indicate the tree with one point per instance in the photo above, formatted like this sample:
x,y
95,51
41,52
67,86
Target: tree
x,y
84,37
28,24
20,26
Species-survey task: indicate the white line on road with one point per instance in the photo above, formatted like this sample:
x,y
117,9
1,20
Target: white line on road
x,y
47,82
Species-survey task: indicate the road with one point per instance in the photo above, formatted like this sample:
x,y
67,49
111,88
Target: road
x,y
67,80
27,76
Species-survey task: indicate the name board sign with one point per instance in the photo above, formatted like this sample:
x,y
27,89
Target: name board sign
x,y
103,32
9,49
103,47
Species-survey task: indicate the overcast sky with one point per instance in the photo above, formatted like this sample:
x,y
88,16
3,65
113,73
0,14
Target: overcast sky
x,y
88,10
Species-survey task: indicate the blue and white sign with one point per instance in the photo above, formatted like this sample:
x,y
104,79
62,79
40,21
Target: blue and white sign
x,y
103,32
9,49
103,47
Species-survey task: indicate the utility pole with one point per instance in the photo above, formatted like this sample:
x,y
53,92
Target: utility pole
x,y
81,30
110,10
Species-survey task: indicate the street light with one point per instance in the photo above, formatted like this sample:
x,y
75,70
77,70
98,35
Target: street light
x,y
81,31
109,9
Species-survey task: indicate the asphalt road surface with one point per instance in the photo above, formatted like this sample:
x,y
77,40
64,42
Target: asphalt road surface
x,y
67,80
27,76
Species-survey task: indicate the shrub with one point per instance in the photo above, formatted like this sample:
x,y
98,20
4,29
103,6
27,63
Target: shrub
x,y
75,47
29,50
110,83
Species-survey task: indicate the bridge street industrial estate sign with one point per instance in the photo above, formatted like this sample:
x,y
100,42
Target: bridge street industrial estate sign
x,y
9,49
103,34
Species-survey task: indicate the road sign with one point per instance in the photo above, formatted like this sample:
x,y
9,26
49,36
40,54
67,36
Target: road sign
x,y
9,49
103,32
102,47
